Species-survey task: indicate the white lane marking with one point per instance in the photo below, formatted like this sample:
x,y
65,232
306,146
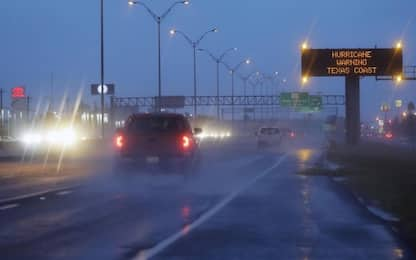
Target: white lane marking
x,y
63,193
149,253
239,162
42,198
10,206
35,194
242,162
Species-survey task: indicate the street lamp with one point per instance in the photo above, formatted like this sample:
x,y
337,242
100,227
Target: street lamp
x,y
273,79
305,80
194,45
232,72
305,46
158,19
218,60
258,81
245,79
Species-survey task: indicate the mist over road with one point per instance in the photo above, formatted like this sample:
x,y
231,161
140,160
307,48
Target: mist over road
x,y
243,203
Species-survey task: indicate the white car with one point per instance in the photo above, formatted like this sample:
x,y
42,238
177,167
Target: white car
x,y
268,136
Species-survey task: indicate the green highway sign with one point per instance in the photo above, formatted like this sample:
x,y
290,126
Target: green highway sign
x,y
285,99
301,101
315,102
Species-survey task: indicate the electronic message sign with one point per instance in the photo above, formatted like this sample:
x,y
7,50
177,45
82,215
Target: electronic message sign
x,y
352,62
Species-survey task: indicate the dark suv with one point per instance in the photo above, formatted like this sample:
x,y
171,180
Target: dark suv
x,y
159,138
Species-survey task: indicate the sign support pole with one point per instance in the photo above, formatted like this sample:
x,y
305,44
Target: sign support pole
x,y
1,112
352,111
1,98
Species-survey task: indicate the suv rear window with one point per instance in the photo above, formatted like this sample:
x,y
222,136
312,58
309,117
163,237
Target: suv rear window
x,y
157,124
269,131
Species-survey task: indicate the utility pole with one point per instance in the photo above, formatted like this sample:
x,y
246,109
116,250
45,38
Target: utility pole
x,y
218,90
195,80
232,95
27,109
102,68
51,99
1,99
1,112
159,73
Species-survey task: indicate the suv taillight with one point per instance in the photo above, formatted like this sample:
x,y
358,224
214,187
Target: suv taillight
x,y
186,142
119,141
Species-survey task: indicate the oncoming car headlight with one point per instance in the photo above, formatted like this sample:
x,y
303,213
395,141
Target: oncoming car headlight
x,y
52,137
65,137
215,135
32,138
68,136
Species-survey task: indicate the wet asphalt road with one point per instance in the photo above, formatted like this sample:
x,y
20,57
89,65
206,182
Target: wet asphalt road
x,y
242,204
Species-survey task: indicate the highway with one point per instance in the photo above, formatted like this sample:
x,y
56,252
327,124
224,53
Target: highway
x,y
243,203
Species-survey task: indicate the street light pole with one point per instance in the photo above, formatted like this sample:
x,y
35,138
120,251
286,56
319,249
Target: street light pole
x,y
102,69
245,79
158,19
195,106
218,90
1,112
218,60
232,71
232,95
194,45
273,80
159,87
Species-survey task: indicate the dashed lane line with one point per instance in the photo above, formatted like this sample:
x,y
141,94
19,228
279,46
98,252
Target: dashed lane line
x,y
9,206
149,253
63,193
36,194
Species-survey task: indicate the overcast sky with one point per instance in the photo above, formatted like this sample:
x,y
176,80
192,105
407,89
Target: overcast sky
x,y
41,37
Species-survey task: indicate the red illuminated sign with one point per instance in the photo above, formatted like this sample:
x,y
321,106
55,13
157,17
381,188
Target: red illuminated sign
x,y
18,92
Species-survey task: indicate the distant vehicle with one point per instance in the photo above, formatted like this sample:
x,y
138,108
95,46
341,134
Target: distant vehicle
x,y
268,136
52,133
159,138
288,133
388,135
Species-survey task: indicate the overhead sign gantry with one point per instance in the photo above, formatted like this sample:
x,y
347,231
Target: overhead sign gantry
x,y
352,64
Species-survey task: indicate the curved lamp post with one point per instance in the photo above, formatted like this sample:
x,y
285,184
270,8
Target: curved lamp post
x,y
272,78
218,60
158,19
245,79
194,45
232,72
